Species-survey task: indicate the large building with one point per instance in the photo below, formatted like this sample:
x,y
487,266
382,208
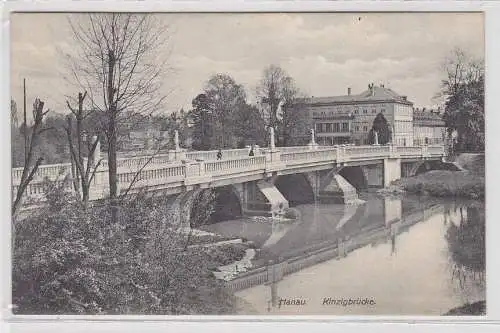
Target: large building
x,y
349,118
428,127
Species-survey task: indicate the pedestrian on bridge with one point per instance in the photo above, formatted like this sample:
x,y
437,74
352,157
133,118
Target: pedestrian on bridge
x,y
251,152
219,154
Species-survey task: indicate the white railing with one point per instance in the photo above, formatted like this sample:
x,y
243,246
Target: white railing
x,y
152,176
436,150
211,155
236,165
409,151
163,170
52,171
309,155
367,151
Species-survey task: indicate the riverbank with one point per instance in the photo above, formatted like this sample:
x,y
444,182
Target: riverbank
x,y
467,183
442,183
472,309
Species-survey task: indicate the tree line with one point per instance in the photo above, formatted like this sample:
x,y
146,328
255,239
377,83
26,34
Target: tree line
x,y
463,90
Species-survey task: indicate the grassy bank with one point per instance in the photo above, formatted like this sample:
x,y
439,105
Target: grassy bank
x,y
473,309
440,183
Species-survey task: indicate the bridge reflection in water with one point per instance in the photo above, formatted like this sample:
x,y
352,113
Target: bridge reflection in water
x,y
411,256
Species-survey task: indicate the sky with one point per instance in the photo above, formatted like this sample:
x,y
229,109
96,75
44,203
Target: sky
x,y
324,52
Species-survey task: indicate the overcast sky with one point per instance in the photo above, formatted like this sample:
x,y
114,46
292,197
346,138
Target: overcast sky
x,y
324,52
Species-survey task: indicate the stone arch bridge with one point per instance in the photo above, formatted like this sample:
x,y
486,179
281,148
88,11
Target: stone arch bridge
x,y
263,184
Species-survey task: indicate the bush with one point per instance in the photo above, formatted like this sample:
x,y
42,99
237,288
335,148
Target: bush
x,y
226,254
68,260
292,213
446,184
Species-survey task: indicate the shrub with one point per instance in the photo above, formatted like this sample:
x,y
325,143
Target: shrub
x,y
68,260
446,184
292,213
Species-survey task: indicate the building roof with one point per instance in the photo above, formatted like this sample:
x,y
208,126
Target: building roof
x,y
422,117
380,94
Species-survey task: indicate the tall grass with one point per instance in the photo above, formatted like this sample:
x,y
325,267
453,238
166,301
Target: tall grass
x,y
442,183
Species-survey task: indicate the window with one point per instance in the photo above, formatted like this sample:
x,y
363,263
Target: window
x,y
357,128
356,111
365,128
345,127
382,110
365,111
374,110
336,127
318,128
328,128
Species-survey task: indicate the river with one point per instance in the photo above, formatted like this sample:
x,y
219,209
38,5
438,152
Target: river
x,y
433,261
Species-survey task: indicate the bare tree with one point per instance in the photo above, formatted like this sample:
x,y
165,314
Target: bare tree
x,y
14,120
118,63
273,89
461,70
84,172
31,162
279,92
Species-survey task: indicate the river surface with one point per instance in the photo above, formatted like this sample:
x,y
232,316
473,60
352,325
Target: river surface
x,y
432,262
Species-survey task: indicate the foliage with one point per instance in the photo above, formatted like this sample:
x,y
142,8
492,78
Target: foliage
x,y
68,260
203,123
292,213
202,208
222,118
115,59
225,97
381,126
279,97
226,254
446,184
249,126
466,241
463,89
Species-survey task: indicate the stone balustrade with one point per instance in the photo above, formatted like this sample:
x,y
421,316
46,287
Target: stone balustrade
x,y
216,168
163,170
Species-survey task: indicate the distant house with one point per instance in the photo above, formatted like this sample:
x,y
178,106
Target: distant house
x,y
428,127
349,118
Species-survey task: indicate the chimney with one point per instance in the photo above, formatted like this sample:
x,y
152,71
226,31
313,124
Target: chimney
x,y
372,89
349,91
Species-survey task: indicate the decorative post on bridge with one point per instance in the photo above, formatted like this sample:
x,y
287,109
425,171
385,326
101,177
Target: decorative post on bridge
x,y
392,143
178,153
273,158
312,144
272,143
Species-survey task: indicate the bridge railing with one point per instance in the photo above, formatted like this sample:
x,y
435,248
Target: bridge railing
x,y
367,151
309,155
52,171
211,155
152,176
215,168
409,151
436,150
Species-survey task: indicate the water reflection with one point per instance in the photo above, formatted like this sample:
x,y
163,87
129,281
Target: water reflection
x,y
430,254
466,242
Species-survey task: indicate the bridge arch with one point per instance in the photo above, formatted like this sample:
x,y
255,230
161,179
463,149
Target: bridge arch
x,y
424,166
355,176
214,205
296,188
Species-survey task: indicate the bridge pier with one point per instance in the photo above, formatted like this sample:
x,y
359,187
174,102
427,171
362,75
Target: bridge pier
x,y
336,189
392,170
262,198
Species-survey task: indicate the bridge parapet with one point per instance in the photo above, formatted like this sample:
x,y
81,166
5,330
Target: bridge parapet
x,y
163,172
